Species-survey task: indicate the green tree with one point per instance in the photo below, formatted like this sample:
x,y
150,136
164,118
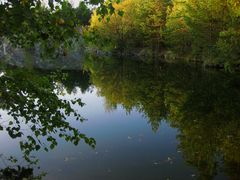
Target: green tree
x,y
54,27
135,24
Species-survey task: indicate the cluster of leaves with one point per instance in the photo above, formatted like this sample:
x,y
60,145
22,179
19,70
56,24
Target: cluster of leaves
x,y
51,27
27,23
203,106
33,102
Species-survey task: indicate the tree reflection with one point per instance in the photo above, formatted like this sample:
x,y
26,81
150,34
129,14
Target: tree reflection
x,y
38,114
202,105
131,84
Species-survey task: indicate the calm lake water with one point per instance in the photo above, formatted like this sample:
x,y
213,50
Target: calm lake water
x,y
148,121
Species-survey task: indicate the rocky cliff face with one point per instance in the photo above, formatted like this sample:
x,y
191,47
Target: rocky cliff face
x,y
70,60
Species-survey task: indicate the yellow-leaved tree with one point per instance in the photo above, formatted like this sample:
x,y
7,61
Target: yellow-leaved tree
x,y
140,25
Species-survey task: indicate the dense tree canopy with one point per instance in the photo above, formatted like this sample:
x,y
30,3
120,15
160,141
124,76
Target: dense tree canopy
x,y
201,30
139,25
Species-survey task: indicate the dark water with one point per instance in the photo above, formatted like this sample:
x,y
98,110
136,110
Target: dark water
x,y
148,121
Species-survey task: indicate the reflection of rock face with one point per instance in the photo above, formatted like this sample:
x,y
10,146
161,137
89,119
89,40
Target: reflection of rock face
x,y
32,57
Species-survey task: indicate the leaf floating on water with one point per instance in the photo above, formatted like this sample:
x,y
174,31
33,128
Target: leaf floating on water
x,y
129,137
169,160
66,159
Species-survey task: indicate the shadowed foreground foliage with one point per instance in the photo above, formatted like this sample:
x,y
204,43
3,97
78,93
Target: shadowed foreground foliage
x,y
37,111
51,27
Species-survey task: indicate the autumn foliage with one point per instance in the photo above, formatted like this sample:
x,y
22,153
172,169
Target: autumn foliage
x,y
202,30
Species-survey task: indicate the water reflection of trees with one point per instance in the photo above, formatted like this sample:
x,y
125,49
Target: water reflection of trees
x,y
38,115
203,105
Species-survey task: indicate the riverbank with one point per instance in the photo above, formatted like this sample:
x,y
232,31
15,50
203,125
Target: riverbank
x,y
165,56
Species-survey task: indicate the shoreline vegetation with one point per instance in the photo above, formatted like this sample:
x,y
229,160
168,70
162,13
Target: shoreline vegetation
x,y
162,57
200,31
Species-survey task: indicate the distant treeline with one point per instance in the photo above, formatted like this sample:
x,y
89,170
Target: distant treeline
x,y
199,30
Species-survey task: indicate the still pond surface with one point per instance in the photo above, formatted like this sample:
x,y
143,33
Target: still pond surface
x,y
134,120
